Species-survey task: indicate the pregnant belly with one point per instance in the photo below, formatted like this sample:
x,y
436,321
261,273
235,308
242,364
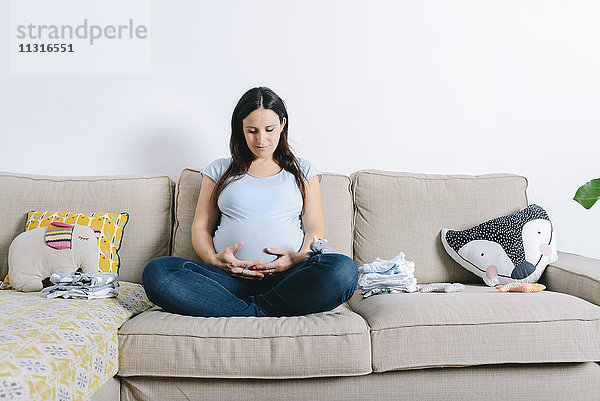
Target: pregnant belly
x,y
258,235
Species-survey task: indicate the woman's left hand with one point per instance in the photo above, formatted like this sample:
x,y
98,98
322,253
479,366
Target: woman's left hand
x,y
286,260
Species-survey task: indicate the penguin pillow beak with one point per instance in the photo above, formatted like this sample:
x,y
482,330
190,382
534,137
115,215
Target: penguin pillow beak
x,y
522,271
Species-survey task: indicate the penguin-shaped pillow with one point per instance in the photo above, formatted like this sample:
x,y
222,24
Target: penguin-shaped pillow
x,y
510,249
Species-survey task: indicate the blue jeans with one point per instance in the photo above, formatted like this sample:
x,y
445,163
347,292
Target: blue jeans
x,y
183,286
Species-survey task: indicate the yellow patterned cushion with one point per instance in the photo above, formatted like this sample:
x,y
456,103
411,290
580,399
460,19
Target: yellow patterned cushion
x,y
111,226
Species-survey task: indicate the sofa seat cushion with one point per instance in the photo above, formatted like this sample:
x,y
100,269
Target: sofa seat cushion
x,y
158,343
478,326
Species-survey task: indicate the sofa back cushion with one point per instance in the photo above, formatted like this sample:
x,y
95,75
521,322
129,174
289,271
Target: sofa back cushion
x,y
148,199
337,211
403,212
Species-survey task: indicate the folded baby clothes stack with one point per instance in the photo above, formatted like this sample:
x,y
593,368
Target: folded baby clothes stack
x,y
387,276
82,285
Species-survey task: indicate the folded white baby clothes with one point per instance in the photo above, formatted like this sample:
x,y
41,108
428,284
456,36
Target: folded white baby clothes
x,y
388,276
82,285
386,290
84,279
396,265
89,293
373,280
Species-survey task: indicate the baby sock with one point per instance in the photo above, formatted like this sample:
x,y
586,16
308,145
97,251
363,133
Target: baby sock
x,y
442,287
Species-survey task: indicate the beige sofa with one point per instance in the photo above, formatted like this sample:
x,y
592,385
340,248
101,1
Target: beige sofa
x,y
472,345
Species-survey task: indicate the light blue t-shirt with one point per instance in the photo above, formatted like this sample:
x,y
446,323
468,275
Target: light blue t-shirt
x,y
263,212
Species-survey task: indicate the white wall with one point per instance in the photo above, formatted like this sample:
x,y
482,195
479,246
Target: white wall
x,y
428,86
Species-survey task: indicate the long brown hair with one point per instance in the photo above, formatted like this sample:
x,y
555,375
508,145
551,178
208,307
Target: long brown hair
x,y
242,156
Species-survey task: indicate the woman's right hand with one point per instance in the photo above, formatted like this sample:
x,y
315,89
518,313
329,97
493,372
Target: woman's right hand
x,y
227,261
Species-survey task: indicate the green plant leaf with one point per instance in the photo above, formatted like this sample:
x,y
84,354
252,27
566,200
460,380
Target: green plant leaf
x,y
588,193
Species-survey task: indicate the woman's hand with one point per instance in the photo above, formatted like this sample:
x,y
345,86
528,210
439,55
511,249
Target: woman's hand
x,y
286,260
227,261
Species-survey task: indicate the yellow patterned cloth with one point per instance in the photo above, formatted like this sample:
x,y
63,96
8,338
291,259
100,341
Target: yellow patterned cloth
x,y
62,349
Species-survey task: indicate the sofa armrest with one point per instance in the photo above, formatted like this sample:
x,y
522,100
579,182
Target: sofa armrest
x,y
575,275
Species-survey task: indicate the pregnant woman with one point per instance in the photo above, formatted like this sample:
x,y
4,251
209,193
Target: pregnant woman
x,y
256,216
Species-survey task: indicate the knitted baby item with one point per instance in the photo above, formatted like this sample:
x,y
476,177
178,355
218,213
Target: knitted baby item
x,y
317,246
59,235
442,287
521,287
